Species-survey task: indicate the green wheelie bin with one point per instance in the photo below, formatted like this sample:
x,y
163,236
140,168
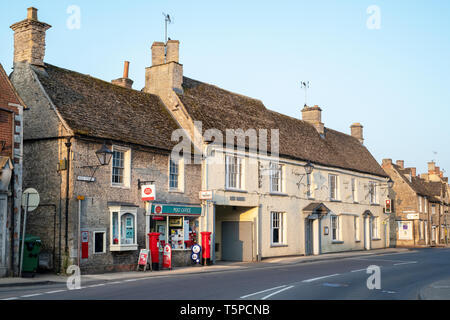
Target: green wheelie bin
x,y
31,250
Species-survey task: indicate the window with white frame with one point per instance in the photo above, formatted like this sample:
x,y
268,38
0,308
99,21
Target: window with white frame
x,y
433,209
426,205
373,192
121,166
333,185
173,174
419,199
357,229
354,191
335,225
375,228
276,177
99,241
233,172
277,228
123,228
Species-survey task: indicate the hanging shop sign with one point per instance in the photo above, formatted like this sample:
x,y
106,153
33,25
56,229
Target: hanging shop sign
x,y
178,210
167,257
148,192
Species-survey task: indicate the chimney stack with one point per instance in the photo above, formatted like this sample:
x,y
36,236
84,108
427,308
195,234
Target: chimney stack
x,y
357,132
401,164
413,171
29,39
166,73
386,163
431,167
313,115
125,81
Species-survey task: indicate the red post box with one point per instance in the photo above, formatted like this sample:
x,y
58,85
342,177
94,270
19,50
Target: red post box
x,y
206,248
153,239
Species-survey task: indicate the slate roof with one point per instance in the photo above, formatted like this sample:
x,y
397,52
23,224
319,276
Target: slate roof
x,y
431,189
99,109
221,109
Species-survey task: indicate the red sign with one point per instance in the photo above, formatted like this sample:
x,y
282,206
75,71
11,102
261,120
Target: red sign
x,y
158,209
167,257
84,244
143,257
148,193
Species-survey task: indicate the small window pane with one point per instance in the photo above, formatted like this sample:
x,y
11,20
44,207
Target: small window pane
x,y
99,242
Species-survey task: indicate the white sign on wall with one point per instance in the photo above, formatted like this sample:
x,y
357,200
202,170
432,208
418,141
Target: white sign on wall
x,y
148,192
405,229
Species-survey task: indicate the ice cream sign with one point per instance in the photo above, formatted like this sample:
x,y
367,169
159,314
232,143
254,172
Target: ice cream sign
x,y
148,192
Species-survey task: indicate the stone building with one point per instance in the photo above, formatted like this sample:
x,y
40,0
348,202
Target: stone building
x,y
266,203
419,205
92,214
11,148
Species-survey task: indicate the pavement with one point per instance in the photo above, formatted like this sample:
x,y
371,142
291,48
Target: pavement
x,y
220,266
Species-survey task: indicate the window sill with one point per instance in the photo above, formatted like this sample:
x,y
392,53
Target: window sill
x,y
375,204
334,200
123,247
120,186
376,239
281,194
337,242
235,190
175,191
274,245
357,241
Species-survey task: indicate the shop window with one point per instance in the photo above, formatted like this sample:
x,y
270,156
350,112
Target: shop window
x,y
180,232
123,229
99,242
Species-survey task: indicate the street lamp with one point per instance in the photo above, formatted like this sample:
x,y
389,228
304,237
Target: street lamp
x,y
308,168
390,183
104,155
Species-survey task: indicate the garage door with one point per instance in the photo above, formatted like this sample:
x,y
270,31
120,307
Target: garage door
x,y
237,241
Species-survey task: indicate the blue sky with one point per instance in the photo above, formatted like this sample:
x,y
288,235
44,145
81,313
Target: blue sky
x,y
394,80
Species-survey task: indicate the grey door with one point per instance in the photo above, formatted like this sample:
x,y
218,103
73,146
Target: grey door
x,y
3,215
237,241
308,237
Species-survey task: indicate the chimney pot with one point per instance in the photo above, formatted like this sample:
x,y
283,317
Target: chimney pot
x,y
431,167
126,68
401,163
173,49
32,14
158,53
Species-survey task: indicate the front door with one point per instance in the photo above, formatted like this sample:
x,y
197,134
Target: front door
x,y
3,215
309,237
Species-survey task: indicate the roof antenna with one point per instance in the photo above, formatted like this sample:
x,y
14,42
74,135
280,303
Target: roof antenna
x,y
305,86
168,20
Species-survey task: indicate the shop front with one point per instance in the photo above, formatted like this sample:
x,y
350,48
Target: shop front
x,y
178,226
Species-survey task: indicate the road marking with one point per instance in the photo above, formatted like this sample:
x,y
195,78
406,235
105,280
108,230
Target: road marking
x,y
319,278
252,294
96,285
12,298
115,282
358,270
410,262
131,280
32,295
276,292
55,291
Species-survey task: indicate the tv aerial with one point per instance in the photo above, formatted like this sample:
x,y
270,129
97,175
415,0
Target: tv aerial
x,y
305,85
168,20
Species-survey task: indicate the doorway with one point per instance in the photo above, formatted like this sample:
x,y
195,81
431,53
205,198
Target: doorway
x,y
237,241
309,237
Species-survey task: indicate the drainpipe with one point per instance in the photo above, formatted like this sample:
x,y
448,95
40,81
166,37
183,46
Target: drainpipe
x,y
13,203
68,145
